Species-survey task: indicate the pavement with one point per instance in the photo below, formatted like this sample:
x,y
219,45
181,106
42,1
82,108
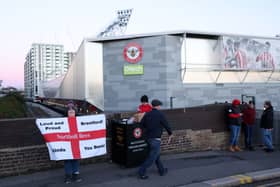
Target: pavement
x,y
193,169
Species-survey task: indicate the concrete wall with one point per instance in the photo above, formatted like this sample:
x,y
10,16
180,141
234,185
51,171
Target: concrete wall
x,y
162,79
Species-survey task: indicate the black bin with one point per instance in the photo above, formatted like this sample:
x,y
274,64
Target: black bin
x,y
129,147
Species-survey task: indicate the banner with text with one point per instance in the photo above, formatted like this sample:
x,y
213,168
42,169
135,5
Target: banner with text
x,y
74,137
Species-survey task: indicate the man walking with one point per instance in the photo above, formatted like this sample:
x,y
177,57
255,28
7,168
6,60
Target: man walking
x,y
154,122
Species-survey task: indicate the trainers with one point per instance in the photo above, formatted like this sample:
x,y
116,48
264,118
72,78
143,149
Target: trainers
x,y
67,179
143,177
76,178
165,171
231,149
236,148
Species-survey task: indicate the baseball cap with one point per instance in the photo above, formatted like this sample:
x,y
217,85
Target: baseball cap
x,y
156,102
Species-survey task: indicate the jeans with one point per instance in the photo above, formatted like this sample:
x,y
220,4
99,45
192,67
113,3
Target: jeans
x,y
154,156
248,135
71,167
267,138
235,130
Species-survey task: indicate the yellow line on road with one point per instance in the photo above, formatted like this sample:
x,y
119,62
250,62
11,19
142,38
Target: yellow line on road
x,y
243,179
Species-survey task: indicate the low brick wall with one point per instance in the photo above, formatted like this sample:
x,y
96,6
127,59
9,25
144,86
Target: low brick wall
x,y
195,129
16,161
200,140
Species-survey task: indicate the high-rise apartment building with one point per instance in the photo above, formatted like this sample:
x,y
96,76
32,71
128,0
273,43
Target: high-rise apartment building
x,y
44,62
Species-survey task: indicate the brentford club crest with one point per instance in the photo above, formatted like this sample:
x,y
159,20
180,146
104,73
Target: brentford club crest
x,y
133,53
137,132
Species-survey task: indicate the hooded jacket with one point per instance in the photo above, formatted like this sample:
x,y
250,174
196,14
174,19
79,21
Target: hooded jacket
x,y
233,113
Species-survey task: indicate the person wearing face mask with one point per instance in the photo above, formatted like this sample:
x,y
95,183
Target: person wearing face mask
x,y
267,126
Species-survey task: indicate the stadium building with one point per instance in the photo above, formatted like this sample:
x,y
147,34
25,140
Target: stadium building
x,y
182,68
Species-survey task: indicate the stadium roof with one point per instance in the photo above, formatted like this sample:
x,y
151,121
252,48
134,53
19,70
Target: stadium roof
x,y
196,34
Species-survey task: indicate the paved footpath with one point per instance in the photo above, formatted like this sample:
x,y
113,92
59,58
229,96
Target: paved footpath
x,y
196,169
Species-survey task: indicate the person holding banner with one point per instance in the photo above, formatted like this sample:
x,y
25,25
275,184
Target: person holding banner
x,y
71,167
73,138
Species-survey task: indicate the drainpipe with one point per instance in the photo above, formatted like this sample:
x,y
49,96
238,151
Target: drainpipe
x,y
171,102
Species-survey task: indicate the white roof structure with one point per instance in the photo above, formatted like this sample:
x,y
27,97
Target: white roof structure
x,y
175,32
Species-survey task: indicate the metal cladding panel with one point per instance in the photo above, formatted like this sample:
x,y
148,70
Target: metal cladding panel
x,y
50,89
94,74
73,85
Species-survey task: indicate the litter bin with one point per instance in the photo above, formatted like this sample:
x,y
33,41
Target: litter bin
x,y
129,147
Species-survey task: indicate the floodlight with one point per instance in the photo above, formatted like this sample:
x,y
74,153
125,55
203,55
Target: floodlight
x,y
117,27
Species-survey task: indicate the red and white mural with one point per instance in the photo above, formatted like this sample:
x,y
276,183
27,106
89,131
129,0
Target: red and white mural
x,y
250,53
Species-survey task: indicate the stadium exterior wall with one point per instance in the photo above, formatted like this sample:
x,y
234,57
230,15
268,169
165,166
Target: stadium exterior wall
x,y
96,75
162,79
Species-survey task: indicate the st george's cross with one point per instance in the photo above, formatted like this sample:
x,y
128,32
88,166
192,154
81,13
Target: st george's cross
x,y
74,137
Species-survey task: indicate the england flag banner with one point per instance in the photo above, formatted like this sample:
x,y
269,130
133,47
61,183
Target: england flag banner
x,y
74,137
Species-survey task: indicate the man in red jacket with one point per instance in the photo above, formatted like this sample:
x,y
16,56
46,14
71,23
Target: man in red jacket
x,y
249,118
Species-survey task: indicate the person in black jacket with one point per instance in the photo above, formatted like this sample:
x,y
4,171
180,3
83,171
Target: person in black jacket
x,y
267,126
154,122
